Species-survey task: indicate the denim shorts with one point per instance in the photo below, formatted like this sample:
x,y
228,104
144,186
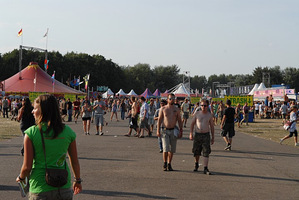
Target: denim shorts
x,y
99,119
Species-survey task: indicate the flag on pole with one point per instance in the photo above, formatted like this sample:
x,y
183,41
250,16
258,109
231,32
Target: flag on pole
x,y
86,78
20,32
46,34
46,64
53,78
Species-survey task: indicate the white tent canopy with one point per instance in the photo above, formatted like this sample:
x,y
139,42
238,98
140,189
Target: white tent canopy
x,y
181,89
132,93
255,88
262,87
108,93
121,93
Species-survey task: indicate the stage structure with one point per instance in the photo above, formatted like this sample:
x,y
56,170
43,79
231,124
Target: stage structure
x,y
21,56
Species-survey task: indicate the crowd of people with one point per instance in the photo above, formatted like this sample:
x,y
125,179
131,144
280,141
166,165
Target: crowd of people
x,y
169,117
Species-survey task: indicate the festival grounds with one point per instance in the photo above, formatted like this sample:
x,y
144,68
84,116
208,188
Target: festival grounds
x,y
117,167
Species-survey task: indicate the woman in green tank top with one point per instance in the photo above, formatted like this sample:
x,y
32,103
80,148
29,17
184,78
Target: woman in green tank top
x,y
60,140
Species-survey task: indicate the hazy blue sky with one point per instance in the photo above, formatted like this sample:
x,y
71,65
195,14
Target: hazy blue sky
x,y
204,37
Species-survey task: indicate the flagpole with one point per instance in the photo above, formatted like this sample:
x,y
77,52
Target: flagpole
x,y
53,82
47,38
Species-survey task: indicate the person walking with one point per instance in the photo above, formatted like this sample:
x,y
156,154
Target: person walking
x,y
77,109
169,115
25,117
202,141
238,114
134,117
5,107
99,109
59,141
185,111
63,109
227,125
114,110
86,112
144,118
293,129
151,113
245,114
156,116
123,109
69,107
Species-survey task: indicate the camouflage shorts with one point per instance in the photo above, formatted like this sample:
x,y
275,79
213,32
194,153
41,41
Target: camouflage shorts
x,y
202,143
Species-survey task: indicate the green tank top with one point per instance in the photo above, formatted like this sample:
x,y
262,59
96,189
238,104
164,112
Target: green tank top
x,y
56,151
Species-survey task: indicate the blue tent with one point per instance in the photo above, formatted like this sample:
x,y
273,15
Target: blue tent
x,y
147,94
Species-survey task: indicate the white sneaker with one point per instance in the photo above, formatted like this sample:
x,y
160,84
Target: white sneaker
x,y
281,140
297,144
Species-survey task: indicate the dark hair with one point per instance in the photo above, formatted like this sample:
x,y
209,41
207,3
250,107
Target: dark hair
x,y
142,98
49,114
164,101
27,108
228,102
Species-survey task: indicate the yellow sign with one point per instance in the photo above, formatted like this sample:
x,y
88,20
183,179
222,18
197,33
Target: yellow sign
x,y
218,100
72,97
34,95
194,100
240,99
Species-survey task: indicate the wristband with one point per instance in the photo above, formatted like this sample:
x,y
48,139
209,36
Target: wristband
x,y
22,179
78,180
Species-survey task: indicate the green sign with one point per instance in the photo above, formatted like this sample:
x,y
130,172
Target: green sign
x,y
102,88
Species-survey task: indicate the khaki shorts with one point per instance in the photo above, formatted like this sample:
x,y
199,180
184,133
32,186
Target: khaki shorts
x,y
66,194
168,140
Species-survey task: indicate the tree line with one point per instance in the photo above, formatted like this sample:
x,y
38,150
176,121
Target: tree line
x,y
104,72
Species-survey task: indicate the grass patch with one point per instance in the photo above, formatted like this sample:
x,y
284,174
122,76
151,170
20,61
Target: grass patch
x,y
270,129
9,129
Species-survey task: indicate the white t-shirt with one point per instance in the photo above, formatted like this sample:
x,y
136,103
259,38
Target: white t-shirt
x,y
144,108
293,117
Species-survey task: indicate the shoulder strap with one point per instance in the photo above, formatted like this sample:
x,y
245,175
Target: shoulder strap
x,y
44,149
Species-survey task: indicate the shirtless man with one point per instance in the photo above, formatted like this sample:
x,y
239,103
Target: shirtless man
x,y
134,117
203,122
169,115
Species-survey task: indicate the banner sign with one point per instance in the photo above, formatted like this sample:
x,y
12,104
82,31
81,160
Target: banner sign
x,y
102,88
194,100
274,92
240,99
72,97
218,100
34,95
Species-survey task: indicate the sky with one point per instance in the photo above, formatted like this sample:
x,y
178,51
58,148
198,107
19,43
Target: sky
x,y
202,37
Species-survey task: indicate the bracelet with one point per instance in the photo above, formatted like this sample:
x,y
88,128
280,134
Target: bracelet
x,y
78,180
22,179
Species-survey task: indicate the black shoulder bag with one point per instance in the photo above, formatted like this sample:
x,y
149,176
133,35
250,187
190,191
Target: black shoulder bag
x,y
54,177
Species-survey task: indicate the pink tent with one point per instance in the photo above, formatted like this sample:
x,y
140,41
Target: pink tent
x,y
34,79
157,93
147,94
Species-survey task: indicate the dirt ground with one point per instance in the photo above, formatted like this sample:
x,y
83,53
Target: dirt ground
x,y
9,128
270,129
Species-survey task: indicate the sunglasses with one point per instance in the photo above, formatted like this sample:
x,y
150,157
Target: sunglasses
x,y
171,98
204,105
